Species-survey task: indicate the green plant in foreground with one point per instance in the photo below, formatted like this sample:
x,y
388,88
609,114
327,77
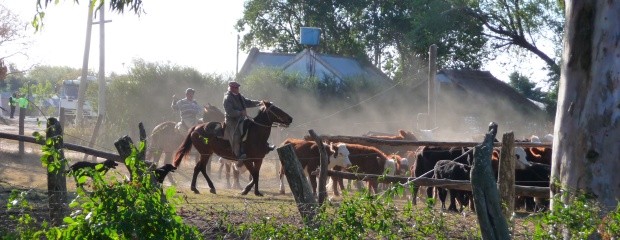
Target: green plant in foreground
x,y
26,225
581,218
114,209
358,216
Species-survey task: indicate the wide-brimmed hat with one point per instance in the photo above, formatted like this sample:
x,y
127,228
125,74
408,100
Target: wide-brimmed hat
x,y
233,84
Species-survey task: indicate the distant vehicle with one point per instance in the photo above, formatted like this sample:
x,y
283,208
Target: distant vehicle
x,y
68,98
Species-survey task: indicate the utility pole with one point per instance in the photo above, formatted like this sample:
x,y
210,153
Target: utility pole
x,y
237,66
432,70
79,115
102,85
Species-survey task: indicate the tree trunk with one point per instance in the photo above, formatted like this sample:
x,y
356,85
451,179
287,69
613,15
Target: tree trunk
x,y
587,135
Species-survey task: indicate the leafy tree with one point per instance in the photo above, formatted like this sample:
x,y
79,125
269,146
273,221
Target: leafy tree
x,y
273,24
521,25
526,87
145,94
394,33
116,5
11,37
53,74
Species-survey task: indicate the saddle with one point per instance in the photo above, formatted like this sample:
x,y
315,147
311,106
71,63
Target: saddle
x,y
181,127
215,129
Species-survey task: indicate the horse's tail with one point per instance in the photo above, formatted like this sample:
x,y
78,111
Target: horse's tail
x,y
185,147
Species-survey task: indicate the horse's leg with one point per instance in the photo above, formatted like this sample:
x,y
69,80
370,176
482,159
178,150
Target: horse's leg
x,y
228,169
204,159
168,158
155,155
236,174
208,163
222,164
194,176
257,165
254,173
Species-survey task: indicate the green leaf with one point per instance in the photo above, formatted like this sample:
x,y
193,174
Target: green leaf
x,y
82,179
68,220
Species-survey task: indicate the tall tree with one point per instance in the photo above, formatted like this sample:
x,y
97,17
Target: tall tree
x,y
526,87
11,37
522,24
394,33
274,25
587,134
116,5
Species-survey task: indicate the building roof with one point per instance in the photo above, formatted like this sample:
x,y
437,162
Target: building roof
x,y
483,88
308,62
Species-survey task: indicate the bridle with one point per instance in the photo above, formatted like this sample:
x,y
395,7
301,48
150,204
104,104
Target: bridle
x,y
273,123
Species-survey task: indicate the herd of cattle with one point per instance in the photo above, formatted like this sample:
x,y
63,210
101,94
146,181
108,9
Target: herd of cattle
x,y
532,165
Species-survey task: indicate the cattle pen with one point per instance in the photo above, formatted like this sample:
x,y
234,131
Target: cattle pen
x,y
528,191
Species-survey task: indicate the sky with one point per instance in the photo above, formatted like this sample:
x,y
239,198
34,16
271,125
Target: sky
x,y
192,33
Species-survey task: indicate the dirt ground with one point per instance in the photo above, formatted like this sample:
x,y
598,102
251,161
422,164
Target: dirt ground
x,y
203,210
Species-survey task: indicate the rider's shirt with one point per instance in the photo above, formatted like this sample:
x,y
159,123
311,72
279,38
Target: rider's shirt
x,y
189,110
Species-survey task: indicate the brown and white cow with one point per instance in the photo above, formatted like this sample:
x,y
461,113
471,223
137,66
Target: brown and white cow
x,y
400,150
307,153
364,159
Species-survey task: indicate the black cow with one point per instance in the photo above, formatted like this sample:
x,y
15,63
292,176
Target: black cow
x,y
537,175
447,169
425,159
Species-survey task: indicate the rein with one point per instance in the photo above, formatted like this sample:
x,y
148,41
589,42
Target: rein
x,y
268,117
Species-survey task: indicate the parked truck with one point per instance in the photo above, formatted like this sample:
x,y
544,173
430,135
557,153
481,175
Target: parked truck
x,y
68,99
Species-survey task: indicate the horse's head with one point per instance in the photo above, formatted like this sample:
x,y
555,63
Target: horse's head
x,y
275,114
212,114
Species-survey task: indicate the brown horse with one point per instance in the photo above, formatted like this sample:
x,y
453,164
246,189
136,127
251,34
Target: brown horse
x,y
165,138
255,145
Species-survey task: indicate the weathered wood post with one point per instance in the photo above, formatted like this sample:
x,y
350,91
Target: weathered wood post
x,y
323,167
56,179
493,225
124,147
22,117
506,179
301,189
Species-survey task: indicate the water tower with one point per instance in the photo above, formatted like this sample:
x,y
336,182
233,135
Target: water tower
x,y
309,37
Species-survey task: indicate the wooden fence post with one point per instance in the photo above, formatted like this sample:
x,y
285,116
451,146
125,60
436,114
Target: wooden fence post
x,y
486,197
301,189
22,117
323,167
506,178
124,147
56,181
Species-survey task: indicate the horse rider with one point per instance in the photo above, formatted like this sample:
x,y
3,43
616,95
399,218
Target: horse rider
x,y
188,109
235,112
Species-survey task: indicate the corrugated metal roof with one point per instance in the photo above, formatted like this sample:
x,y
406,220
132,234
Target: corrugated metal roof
x,y
342,66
